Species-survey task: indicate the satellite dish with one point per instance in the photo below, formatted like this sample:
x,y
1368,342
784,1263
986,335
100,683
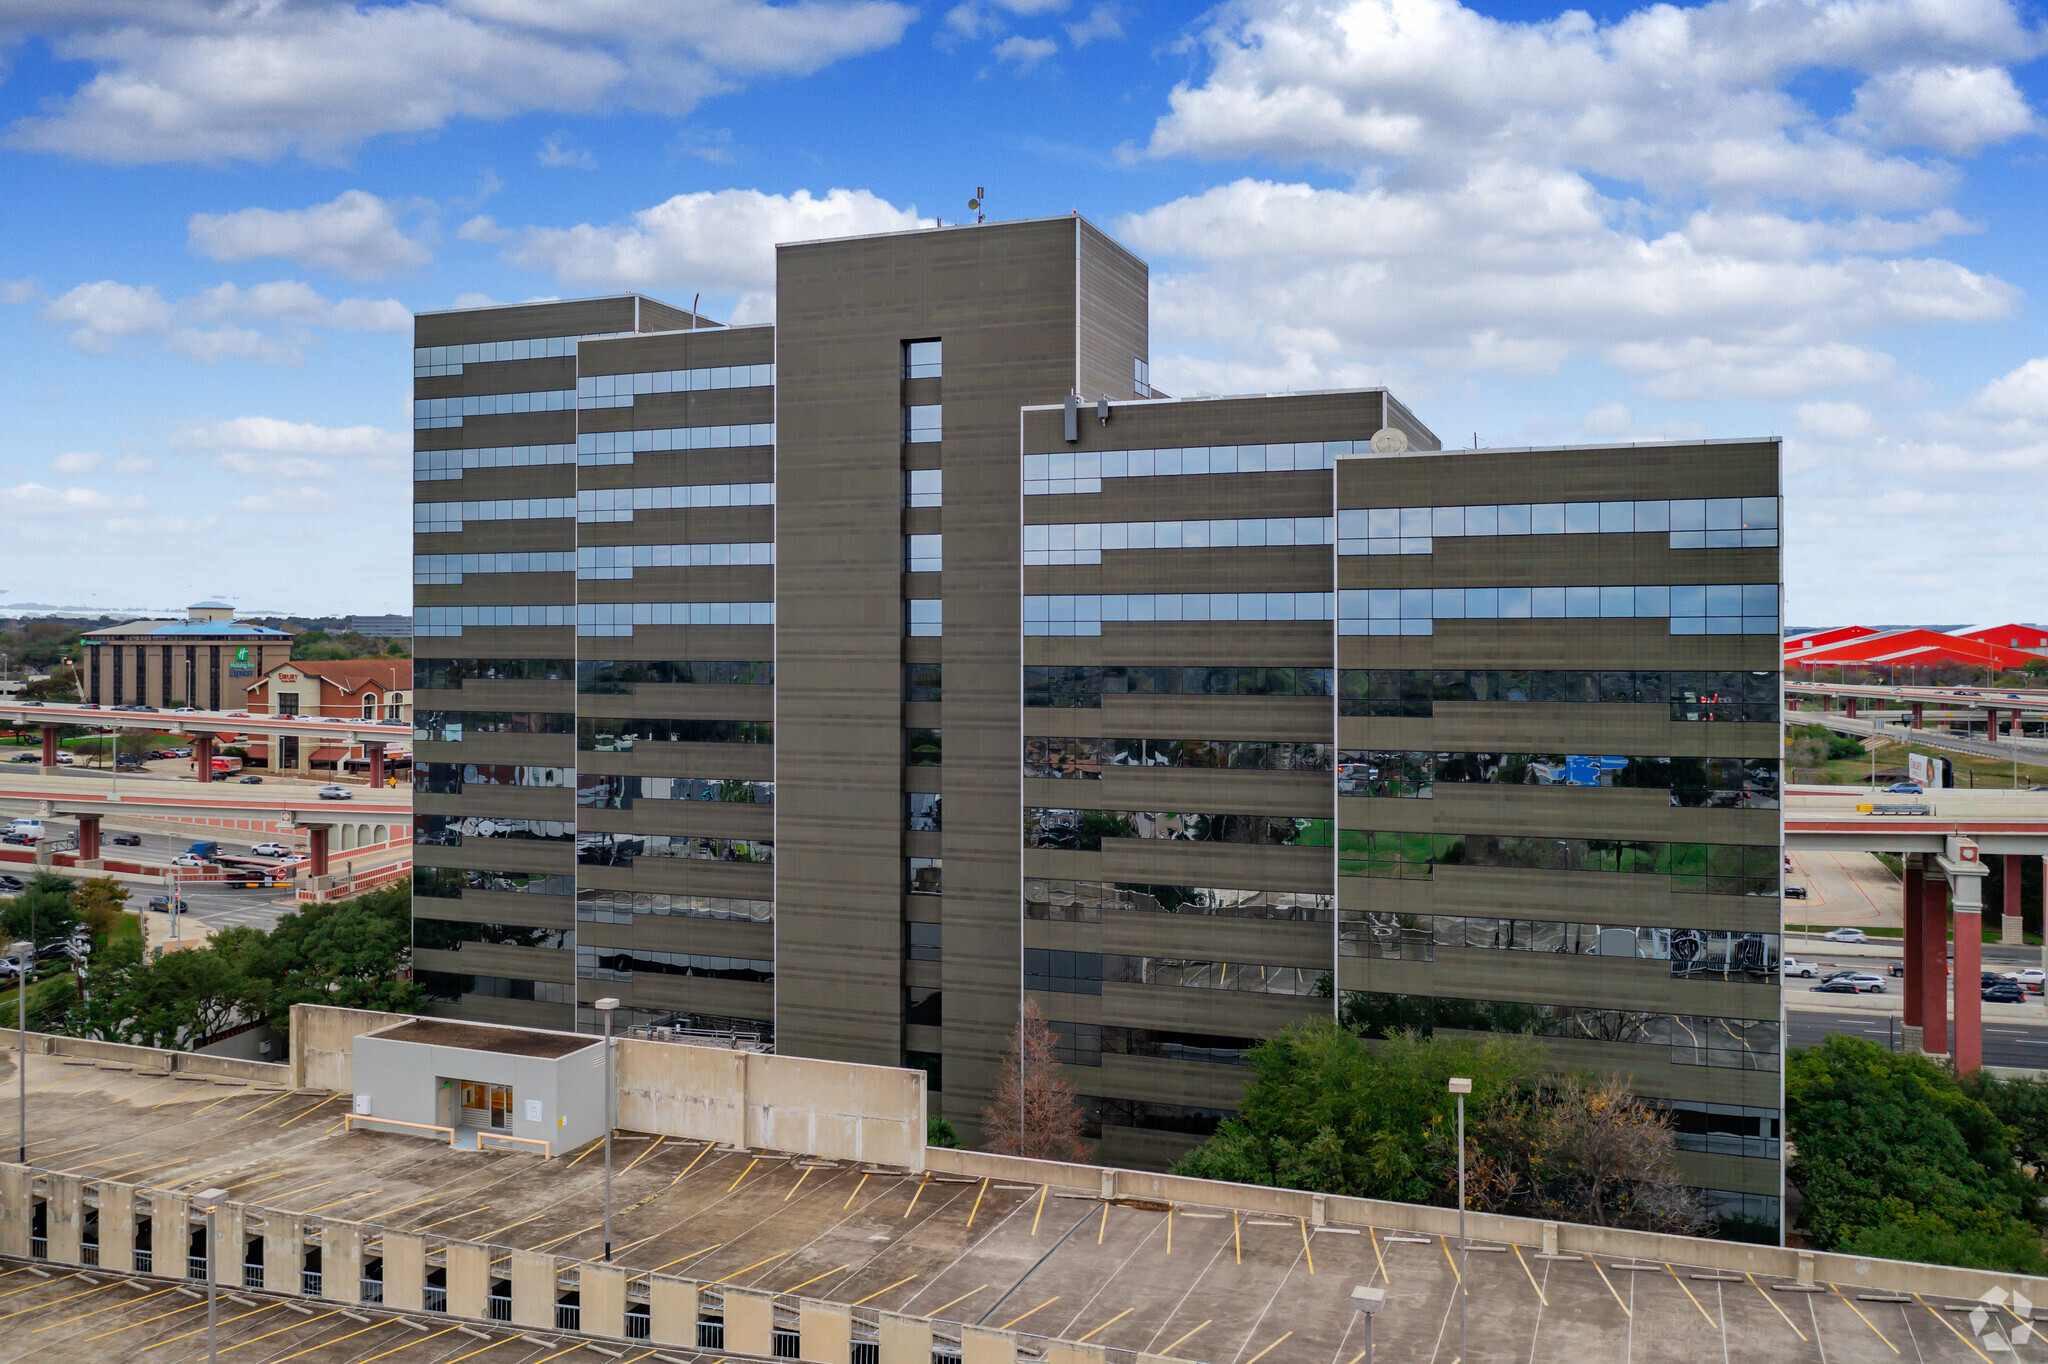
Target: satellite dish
x,y
1388,441
974,203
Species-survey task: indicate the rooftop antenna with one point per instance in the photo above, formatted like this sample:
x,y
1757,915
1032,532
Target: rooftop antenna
x,y
975,204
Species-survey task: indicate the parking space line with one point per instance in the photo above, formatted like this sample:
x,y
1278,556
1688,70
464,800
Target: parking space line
x,y
977,1201
128,1302
799,1183
40,1283
506,1340
856,1192
1702,1306
388,1321
780,1254
880,1291
596,1145
1169,1228
743,1174
1042,1192
828,1274
1532,1278
1268,1350
71,1298
1041,1307
1103,1230
1952,1327
1185,1339
1237,1235
282,1329
1378,1258
455,1218
962,1298
144,1322
314,1109
241,1117
919,1192
691,1256
1107,1324
1865,1320
230,1321
1445,1242
1617,1297
1306,1252
1774,1306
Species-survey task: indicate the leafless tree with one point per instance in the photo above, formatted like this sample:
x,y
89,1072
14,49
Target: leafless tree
x,y
1035,1111
1605,1156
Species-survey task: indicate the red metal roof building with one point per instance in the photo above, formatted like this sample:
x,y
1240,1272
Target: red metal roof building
x,y
1907,648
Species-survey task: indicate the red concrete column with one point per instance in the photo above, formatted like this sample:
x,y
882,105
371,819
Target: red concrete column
x,y
316,847
2013,862
1917,723
1852,708
1915,967
1990,725
1969,1049
375,753
88,838
49,745
202,756
1934,965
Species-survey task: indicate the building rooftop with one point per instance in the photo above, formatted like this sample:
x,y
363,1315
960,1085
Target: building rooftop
x,y
1197,1280
188,627
440,1032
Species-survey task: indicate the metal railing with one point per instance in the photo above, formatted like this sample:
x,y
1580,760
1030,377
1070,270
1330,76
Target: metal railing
x,y
499,1306
39,1247
372,1289
434,1298
568,1316
89,1253
546,1151
787,1345
867,1352
145,1262
195,1266
639,1322
711,1333
309,1282
252,1276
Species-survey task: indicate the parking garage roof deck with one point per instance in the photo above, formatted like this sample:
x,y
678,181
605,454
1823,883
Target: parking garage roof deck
x,y
440,1032
1202,1283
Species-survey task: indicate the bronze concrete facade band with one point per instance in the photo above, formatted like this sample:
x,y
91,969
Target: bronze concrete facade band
x,y
845,682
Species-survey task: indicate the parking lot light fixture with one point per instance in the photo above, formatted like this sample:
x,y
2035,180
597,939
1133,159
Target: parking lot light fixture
x,y
1461,1086
207,1200
605,1006
1369,1301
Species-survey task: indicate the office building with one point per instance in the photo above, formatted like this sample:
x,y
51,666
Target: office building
x,y
839,682
208,660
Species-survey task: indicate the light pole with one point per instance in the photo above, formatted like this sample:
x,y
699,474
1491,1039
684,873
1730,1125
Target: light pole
x,y
1369,1301
21,952
605,1007
208,1200
1461,1086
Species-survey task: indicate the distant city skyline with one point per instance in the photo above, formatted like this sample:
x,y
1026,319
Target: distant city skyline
x,y
1728,220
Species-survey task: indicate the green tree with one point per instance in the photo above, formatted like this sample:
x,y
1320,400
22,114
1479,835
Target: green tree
x,y
345,953
1327,1111
1896,1158
98,902
939,1132
43,912
176,1001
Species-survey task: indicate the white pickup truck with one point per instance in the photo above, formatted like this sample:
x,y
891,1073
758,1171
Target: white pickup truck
x,y
1792,966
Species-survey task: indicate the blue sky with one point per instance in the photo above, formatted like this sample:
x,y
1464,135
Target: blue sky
x,y
1816,220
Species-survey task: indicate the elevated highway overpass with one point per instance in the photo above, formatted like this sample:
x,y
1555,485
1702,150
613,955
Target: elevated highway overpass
x,y
2003,712
206,728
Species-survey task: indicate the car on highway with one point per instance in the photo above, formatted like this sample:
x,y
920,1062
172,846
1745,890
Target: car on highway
x,y
2003,992
11,884
1846,934
125,840
185,710
162,904
28,703
1966,691
334,792
1795,892
2029,979
189,860
1838,987
26,758
252,780
1904,788
1792,966
271,850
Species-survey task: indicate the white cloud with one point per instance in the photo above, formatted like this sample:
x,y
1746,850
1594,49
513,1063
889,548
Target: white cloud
x,y
305,501
1835,421
273,436
720,242
137,464
1518,270
108,309
275,466
482,228
20,290
2022,393
76,462
355,234
1681,101
555,155
1025,52
1104,21
212,345
182,80
1609,422
1954,109
38,501
289,300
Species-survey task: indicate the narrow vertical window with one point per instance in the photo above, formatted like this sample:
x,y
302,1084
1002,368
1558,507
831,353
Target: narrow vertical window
x,y
921,359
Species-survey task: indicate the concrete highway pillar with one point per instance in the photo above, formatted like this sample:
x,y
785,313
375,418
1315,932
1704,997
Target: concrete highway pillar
x,y
1969,1047
316,847
1990,725
1852,708
375,753
88,838
2010,930
1913,987
49,748
202,756
1934,964
1918,706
